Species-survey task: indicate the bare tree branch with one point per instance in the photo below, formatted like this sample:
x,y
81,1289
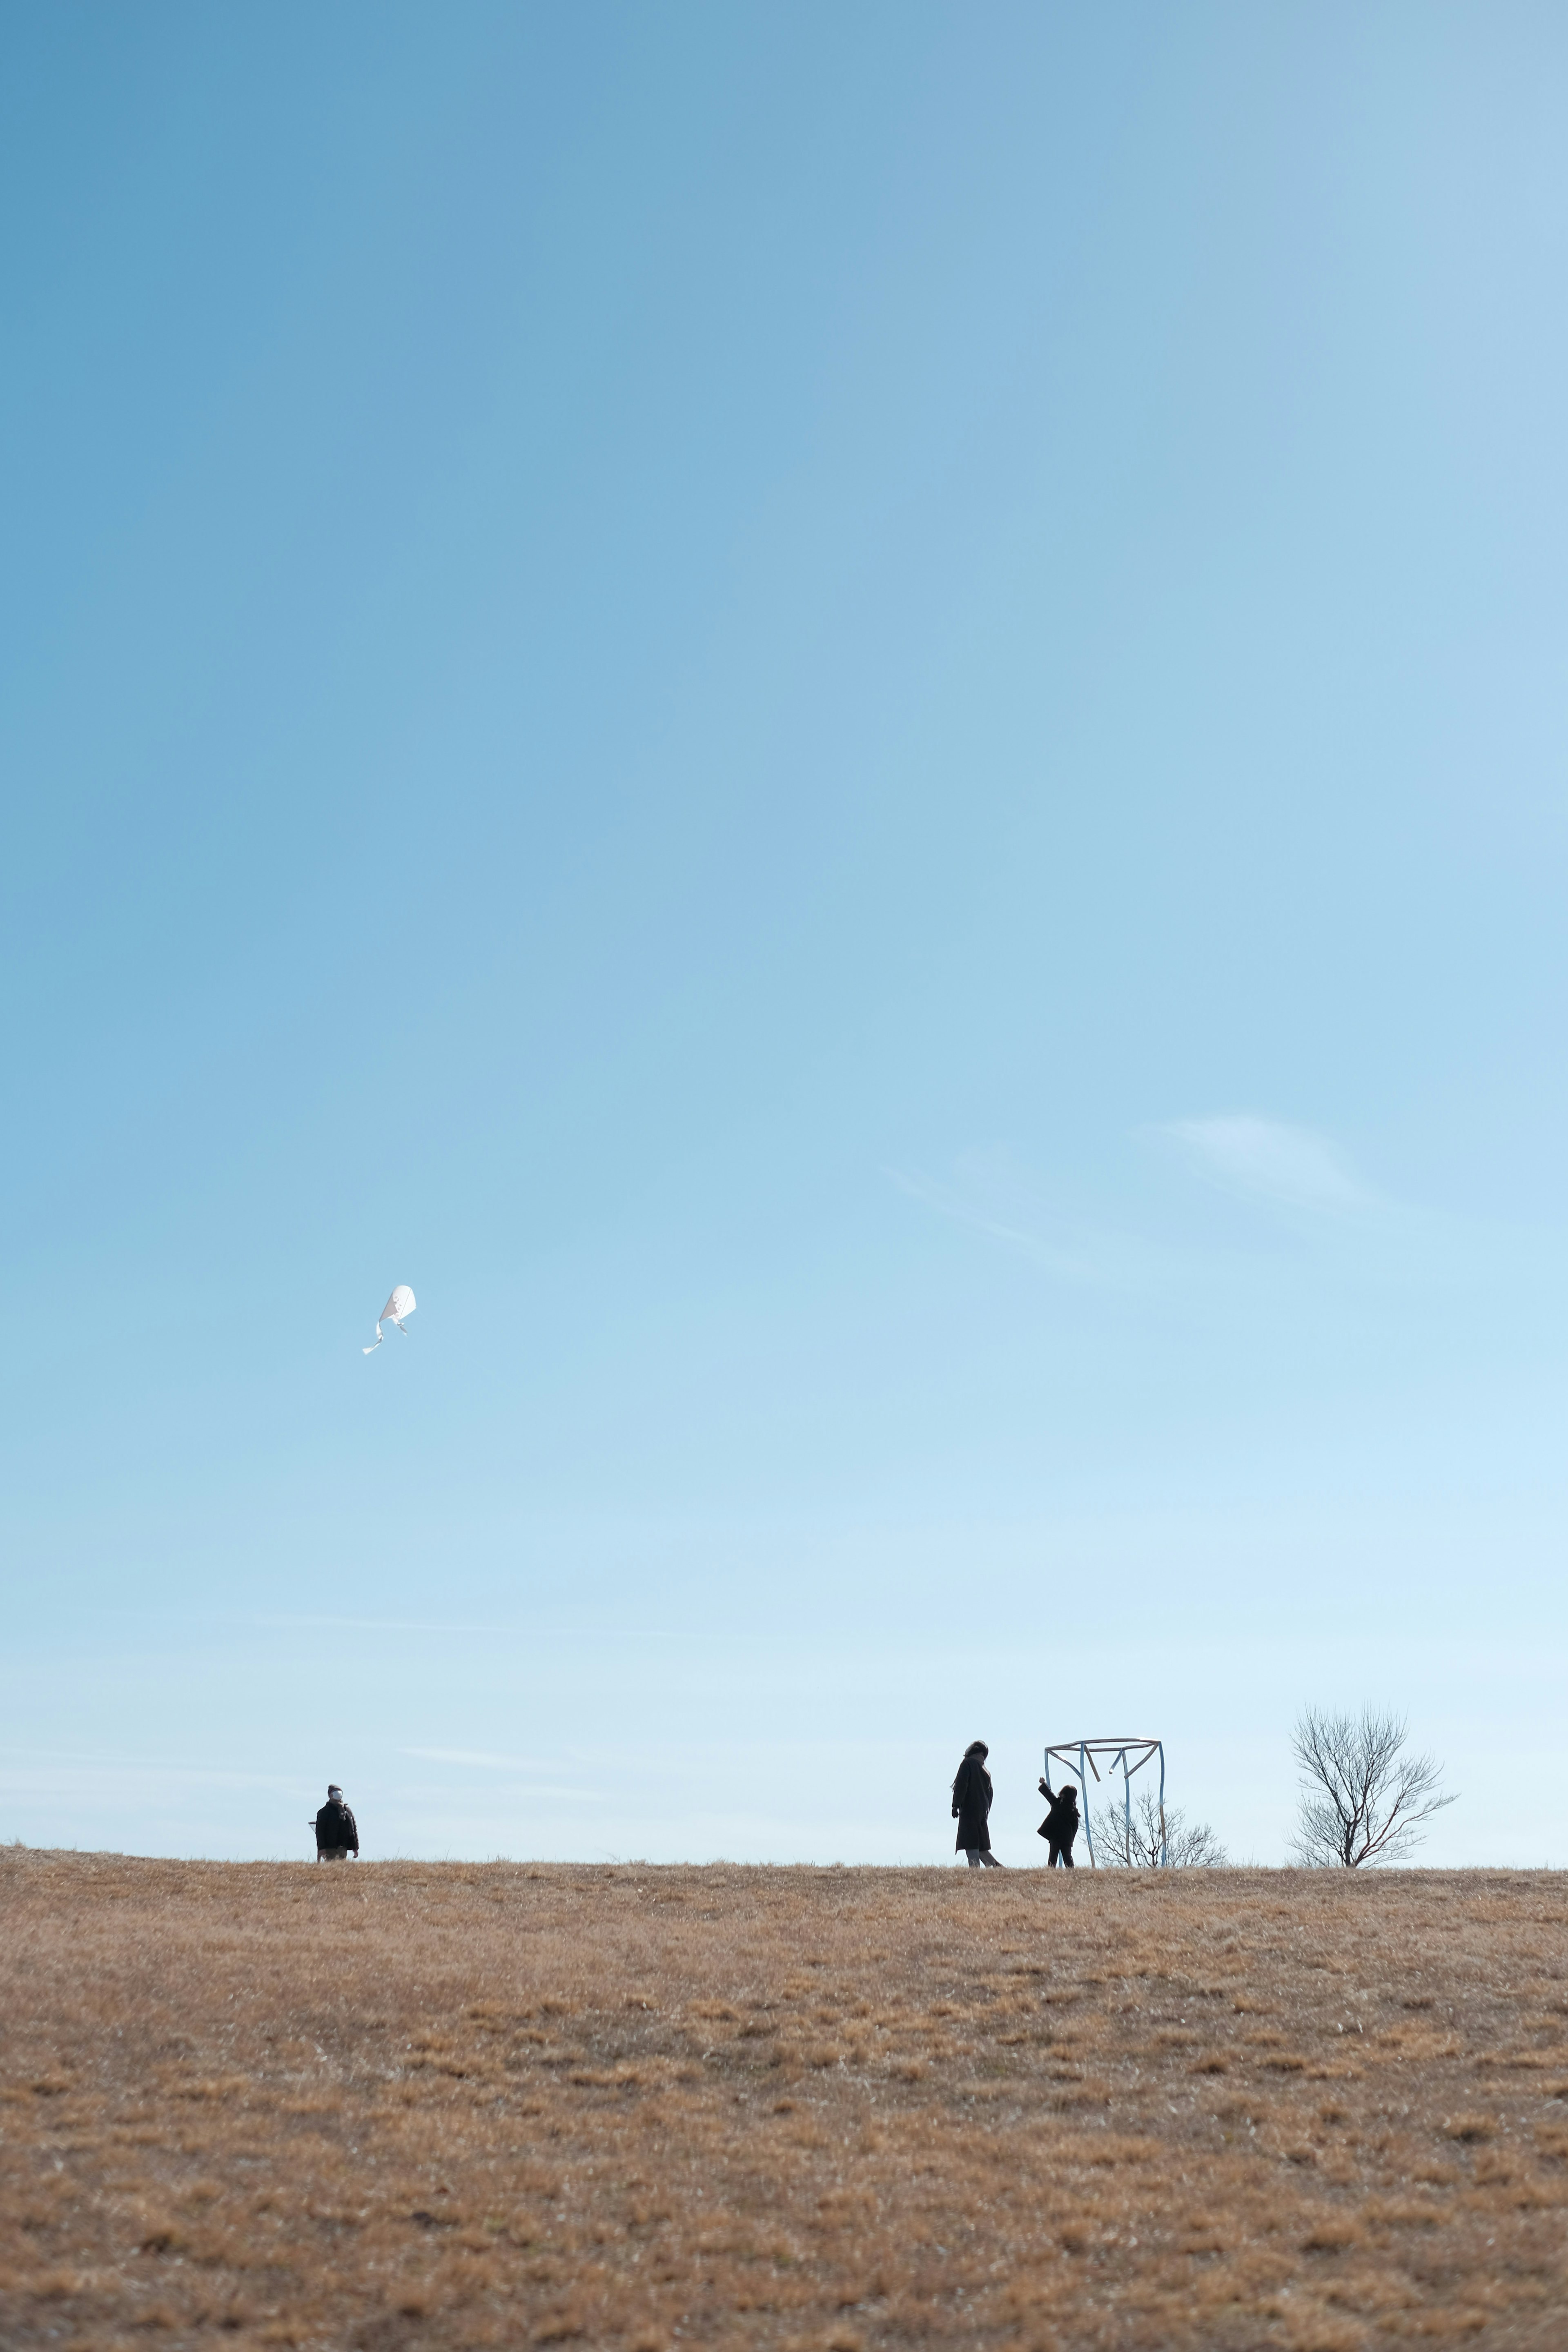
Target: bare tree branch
x,y
1187,1846
1363,1799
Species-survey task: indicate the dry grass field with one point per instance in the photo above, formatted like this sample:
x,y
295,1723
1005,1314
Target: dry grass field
x,y
402,2104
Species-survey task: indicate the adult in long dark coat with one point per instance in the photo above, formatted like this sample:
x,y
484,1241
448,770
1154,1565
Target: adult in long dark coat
x,y
1060,1825
972,1808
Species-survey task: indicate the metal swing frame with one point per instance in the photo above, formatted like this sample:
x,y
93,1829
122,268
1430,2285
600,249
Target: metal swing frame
x,y
1131,1755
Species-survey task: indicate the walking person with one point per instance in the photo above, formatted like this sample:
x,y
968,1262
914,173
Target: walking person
x,y
337,1832
1060,1825
972,1808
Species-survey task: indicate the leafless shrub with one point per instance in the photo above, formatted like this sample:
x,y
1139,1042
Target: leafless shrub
x,y
1135,1845
1362,1798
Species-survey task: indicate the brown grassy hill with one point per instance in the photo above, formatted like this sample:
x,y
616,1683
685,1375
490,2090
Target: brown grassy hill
x,y
402,2105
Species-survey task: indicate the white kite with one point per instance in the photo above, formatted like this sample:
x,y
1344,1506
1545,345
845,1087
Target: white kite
x,y
398,1306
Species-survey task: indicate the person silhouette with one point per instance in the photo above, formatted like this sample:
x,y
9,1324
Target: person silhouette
x,y
972,1808
1060,1825
337,1832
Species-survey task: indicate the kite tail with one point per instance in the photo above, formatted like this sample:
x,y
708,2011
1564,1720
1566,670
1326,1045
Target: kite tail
x,y
371,1351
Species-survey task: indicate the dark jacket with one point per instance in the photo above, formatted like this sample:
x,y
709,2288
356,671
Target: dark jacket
x,y
1061,1822
335,1826
971,1804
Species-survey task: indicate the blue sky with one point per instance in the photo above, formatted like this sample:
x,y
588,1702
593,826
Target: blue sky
x,y
851,724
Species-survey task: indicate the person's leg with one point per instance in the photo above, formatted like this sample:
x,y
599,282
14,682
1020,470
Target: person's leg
x,y
989,1858
973,1853
1066,1857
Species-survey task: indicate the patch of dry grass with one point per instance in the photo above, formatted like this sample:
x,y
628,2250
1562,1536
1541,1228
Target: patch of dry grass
x,y
440,2105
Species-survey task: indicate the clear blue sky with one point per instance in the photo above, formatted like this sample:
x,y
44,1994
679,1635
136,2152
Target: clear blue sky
x,y
851,723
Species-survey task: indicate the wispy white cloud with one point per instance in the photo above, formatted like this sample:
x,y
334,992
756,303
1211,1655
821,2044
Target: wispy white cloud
x,y
476,1757
51,1766
958,1202
1291,1165
472,1759
991,1193
1288,1168
371,1625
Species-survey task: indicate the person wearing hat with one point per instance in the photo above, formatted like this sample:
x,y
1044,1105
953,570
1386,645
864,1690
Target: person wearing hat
x,y
337,1832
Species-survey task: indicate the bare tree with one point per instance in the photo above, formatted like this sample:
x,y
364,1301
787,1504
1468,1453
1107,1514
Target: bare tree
x,y
1363,1799
1137,1846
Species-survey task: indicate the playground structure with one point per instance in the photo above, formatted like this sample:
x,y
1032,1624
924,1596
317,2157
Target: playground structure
x,y
1131,1755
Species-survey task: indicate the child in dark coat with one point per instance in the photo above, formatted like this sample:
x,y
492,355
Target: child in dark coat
x,y
1060,1825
